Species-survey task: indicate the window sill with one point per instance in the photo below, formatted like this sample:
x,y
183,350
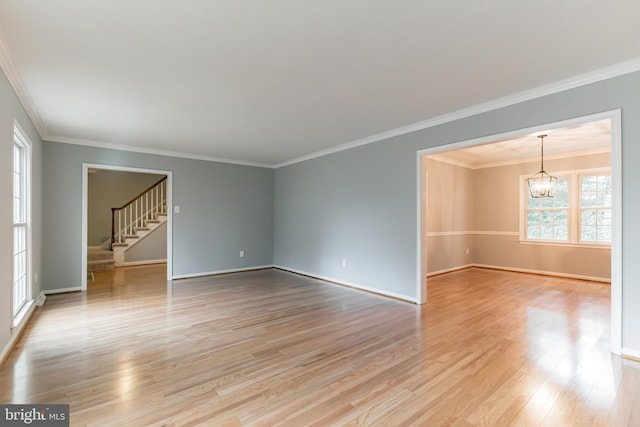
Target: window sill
x,y
566,245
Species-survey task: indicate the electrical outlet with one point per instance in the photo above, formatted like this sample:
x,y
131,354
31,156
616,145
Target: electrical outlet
x,y
468,251
344,262
176,209
241,254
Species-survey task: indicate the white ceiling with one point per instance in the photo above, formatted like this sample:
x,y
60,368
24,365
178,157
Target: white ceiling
x,y
582,139
266,82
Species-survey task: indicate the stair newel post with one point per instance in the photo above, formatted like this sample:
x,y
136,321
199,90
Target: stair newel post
x,y
113,228
119,225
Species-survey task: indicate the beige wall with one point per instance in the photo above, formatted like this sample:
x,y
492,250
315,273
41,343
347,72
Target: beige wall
x,y
450,214
490,225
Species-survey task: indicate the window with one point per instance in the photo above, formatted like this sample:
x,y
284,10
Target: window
x,y
21,205
580,213
595,208
548,218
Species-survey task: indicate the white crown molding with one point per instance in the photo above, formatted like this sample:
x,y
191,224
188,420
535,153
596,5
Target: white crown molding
x,y
444,159
154,151
558,156
18,87
614,70
594,76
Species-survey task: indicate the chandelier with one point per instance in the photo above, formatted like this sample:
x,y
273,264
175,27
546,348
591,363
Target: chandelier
x,y
542,184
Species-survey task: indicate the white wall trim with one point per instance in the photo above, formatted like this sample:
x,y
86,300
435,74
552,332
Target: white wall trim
x,y
85,220
62,290
217,272
18,87
614,70
582,79
155,151
520,161
448,233
450,270
16,332
544,273
559,156
520,132
521,270
153,261
354,285
616,238
496,233
472,233
517,234
565,245
631,353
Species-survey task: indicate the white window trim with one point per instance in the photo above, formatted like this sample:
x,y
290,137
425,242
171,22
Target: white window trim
x,y
574,210
20,134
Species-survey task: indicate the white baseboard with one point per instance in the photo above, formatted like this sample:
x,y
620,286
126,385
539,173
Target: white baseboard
x,y
154,261
631,354
61,290
16,333
545,273
449,270
521,270
214,273
351,285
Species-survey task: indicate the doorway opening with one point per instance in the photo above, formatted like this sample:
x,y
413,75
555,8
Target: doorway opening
x,y
462,248
99,238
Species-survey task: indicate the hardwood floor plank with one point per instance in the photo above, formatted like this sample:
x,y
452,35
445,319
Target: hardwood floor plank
x,y
269,348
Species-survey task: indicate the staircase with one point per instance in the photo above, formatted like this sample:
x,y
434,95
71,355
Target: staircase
x,y
130,223
99,259
119,249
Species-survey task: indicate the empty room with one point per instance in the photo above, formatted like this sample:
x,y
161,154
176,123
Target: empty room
x,y
319,213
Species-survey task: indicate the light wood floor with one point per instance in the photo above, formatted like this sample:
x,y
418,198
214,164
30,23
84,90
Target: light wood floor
x,y
272,348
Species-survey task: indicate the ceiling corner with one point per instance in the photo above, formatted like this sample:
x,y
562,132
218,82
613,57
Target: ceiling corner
x,y
6,63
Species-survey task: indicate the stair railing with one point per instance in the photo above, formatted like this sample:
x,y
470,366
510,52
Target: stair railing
x,y
137,212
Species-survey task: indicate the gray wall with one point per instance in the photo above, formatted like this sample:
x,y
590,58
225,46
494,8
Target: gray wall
x,y
10,109
350,205
224,208
360,204
109,189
